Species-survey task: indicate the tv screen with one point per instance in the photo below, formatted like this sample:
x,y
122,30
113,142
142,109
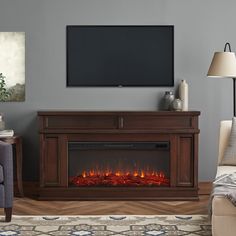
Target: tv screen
x,y
120,56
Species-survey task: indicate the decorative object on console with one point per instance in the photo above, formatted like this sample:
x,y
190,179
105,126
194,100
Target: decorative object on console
x,y
224,65
12,64
183,94
167,100
177,105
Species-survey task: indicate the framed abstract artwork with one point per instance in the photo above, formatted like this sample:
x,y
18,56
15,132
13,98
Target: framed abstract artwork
x,y
12,66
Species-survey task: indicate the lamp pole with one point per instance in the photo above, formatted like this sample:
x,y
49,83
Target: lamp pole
x,y
234,79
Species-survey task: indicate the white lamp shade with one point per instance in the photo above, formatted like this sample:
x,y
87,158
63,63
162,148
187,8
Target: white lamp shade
x,y
223,65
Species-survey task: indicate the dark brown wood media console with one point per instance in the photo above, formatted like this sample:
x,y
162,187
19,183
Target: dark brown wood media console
x,y
180,129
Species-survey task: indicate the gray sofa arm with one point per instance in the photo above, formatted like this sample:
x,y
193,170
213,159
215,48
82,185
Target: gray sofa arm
x,y
6,161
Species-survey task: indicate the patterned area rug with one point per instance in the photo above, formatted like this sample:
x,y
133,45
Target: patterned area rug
x,y
138,225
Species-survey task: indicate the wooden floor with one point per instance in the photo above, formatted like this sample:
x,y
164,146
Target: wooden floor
x,y
28,206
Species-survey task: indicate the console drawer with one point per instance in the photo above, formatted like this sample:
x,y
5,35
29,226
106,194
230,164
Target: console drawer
x,y
156,122
80,122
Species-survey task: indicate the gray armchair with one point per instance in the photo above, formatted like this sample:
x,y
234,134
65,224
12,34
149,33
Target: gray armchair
x,y
6,179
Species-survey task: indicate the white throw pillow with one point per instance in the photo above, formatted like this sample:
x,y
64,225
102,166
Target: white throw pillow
x,y
229,157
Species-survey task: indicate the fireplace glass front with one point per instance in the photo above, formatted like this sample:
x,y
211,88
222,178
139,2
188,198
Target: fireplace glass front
x,y
119,164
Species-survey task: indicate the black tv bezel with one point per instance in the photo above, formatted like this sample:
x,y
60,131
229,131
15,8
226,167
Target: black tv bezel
x,y
120,85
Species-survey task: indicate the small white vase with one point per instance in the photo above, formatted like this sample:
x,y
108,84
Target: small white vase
x,y
183,94
177,105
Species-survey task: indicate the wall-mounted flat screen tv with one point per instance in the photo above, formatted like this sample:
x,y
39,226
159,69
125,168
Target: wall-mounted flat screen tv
x,y
120,55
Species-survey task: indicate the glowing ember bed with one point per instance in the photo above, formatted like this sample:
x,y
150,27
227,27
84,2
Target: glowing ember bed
x,y
117,179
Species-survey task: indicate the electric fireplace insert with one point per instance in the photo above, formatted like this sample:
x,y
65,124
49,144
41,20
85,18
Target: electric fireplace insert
x,y
119,164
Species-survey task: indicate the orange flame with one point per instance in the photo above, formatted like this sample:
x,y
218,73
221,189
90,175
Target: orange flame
x,y
141,174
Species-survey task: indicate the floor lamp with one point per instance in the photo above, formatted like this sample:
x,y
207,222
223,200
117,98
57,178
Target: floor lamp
x,y
223,65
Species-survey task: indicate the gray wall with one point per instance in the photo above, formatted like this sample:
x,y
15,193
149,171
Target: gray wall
x,y
201,27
